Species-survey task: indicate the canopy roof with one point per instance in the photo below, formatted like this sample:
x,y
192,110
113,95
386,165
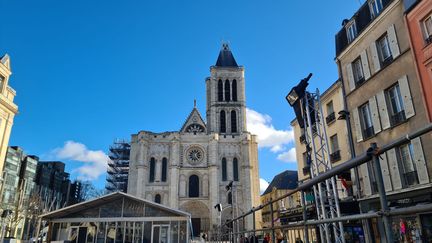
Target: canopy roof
x,y
117,204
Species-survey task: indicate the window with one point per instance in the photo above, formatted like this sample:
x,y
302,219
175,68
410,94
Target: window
x,y
235,169
234,90
330,113
409,172
351,31
164,169
427,23
157,198
222,122
358,72
152,169
306,163
1,82
193,186
366,121
233,122
375,7
334,149
224,169
227,90
220,90
395,105
384,52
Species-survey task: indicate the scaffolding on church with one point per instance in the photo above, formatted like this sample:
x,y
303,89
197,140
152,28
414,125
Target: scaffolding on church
x,y
118,166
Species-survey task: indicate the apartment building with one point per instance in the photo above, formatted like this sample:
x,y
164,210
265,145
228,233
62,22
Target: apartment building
x,y
384,99
282,184
418,16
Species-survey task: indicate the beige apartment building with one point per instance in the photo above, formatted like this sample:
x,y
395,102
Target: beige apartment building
x,y
385,102
8,109
286,210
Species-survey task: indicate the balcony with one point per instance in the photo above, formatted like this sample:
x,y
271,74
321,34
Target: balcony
x,y
359,82
330,118
410,178
387,61
335,156
368,132
303,139
398,118
306,170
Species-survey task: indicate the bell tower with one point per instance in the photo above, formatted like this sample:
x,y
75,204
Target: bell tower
x,y
226,101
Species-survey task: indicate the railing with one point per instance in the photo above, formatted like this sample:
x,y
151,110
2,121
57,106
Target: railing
x,y
330,118
398,118
335,156
371,156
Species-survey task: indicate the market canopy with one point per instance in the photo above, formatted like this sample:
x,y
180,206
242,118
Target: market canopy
x,y
115,205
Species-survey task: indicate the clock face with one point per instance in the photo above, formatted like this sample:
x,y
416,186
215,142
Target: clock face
x,y
195,155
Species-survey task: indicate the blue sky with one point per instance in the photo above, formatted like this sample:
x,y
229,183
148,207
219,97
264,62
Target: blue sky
x,y
87,72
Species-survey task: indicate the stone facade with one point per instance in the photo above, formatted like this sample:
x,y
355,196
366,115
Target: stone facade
x,y
189,169
8,109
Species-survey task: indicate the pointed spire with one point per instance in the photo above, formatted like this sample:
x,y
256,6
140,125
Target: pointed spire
x,y
226,58
194,103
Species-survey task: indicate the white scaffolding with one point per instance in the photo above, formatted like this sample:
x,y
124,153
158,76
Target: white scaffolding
x,y
318,157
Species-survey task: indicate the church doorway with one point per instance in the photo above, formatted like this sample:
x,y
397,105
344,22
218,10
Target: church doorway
x,y
196,226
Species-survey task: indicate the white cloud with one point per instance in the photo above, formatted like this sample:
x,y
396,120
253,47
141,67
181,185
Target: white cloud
x,y
95,161
288,156
268,136
263,185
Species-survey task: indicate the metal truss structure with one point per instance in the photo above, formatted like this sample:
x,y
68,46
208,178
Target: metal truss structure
x,y
318,157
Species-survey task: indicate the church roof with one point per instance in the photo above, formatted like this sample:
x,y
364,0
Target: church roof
x,y
193,118
226,58
287,180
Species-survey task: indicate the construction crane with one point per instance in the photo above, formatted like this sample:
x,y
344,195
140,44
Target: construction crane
x,y
309,115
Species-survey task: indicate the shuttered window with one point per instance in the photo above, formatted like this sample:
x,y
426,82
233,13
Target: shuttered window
x,y
408,169
358,72
395,105
366,121
384,52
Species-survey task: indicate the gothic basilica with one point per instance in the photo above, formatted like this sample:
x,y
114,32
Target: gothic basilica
x,y
190,169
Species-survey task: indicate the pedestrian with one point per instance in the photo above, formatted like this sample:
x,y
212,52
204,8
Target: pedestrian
x,y
267,238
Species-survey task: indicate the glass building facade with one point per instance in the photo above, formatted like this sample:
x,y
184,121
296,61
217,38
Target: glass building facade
x,y
117,218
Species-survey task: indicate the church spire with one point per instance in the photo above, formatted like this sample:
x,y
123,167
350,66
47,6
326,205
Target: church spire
x,y
226,58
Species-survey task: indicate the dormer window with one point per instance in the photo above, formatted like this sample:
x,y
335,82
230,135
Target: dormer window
x,y
427,23
375,7
351,31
